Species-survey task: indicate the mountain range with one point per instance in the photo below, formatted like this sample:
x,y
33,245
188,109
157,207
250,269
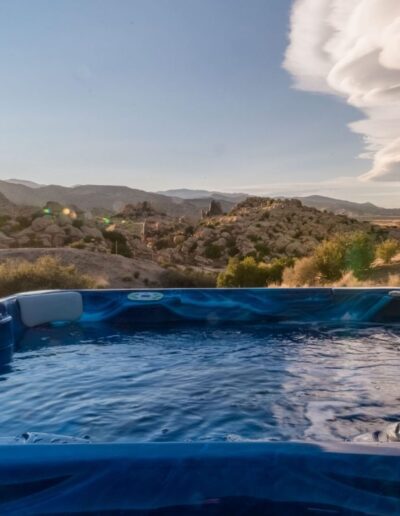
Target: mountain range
x,y
178,202
365,210
104,198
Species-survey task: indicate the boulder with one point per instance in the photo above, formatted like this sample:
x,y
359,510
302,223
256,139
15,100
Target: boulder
x,y
41,223
53,229
91,232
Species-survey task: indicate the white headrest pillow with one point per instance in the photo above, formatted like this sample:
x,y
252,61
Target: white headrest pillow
x,y
47,307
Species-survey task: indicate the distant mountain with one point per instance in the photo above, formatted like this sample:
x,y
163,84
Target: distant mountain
x,y
31,184
185,193
104,197
364,210
179,202
6,206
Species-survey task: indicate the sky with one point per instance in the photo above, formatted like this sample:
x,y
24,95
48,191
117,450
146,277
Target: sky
x,y
214,94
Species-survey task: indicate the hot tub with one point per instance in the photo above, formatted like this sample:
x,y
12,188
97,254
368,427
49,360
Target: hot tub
x,y
251,401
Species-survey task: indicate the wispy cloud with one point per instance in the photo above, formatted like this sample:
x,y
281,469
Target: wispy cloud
x,y
351,48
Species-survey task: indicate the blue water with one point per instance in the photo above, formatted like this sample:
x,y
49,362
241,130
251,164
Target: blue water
x,y
203,383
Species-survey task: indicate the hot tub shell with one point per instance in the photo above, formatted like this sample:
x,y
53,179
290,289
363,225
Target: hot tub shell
x,y
213,478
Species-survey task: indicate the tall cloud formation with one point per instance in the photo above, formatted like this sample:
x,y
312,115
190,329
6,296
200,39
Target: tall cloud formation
x,y
351,48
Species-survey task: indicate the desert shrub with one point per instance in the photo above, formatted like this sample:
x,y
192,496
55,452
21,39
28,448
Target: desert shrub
x,y
243,273
23,222
330,259
4,219
387,250
262,249
352,252
119,243
233,251
212,252
162,243
360,253
188,278
189,230
79,244
44,273
78,223
193,247
275,269
304,273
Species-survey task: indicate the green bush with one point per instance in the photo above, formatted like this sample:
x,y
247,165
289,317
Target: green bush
x,y
276,267
188,278
352,252
262,249
387,250
24,222
243,273
330,259
360,253
118,242
44,273
78,223
212,252
233,251
4,219
162,243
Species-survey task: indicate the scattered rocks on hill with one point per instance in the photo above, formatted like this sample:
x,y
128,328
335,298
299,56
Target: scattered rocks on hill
x,y
260,227
263,228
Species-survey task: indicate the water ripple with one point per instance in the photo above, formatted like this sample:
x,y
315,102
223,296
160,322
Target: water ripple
x,y
203,383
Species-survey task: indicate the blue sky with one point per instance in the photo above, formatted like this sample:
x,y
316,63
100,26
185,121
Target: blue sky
x,y
159,94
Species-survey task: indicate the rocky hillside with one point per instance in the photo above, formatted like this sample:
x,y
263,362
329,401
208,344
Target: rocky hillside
x,y
260,227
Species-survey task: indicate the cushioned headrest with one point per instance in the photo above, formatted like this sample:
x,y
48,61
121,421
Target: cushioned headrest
x,y
42,308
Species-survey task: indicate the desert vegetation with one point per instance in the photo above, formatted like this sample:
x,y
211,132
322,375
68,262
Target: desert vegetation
x,y
42,274
342,260
260,242
350,259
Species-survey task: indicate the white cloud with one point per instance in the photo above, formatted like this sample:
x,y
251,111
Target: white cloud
x,y
351,48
